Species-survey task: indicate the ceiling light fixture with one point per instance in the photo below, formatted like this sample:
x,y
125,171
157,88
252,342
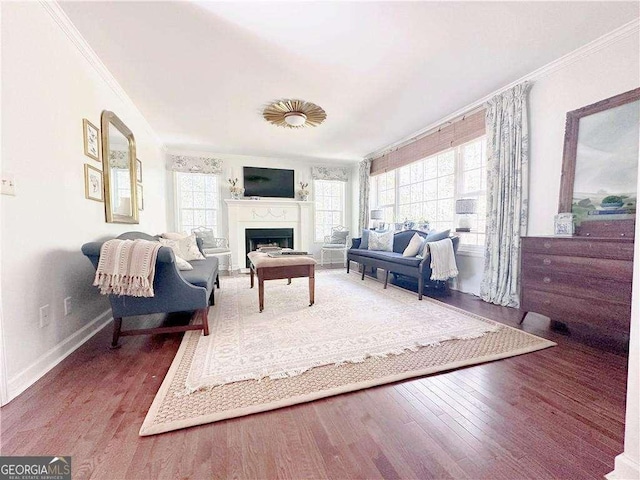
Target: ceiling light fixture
x,y
294,114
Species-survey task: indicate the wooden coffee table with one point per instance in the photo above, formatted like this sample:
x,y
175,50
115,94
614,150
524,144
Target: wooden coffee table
x,y
277,268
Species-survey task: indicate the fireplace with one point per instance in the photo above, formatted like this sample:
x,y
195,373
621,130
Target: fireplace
x,y
258,237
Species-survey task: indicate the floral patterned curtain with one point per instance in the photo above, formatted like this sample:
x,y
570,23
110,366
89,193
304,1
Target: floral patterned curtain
x,y
183,163
330,173
363,207
507,194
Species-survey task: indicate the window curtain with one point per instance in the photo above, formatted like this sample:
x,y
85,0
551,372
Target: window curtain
x,y
507,194
364,177
339,174
183,163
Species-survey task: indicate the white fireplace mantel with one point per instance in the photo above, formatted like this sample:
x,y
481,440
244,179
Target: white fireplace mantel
x,y
267,213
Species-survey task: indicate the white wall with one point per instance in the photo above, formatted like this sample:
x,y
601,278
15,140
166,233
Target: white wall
x,y
48,87
232,168
612,70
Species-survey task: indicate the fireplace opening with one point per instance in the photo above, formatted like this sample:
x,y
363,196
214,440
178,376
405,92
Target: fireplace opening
x,y
267,237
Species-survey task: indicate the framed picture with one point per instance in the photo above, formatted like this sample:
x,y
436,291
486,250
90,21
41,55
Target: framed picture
x,y
140,196
563,224
91,139
93,183
138,170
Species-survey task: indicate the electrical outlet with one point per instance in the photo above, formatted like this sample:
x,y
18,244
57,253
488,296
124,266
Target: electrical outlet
x,y
45,315
8,185
67,306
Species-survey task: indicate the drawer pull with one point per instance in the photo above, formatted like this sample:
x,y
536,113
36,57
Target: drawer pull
x,y
546,280
547,261
547,244
622,234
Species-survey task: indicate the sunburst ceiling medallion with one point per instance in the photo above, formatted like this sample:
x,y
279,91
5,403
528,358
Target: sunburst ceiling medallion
x,y
294,114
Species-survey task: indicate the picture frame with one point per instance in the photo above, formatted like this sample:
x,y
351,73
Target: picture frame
x,y
93,183
563,224
140,197
138,170
91,135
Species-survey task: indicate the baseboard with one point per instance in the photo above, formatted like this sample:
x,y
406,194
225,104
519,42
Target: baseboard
x,y
625,468
35,371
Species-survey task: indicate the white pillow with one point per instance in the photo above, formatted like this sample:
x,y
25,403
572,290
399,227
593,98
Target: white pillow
x,y
414,246
382,241
174,245
174,235
186,247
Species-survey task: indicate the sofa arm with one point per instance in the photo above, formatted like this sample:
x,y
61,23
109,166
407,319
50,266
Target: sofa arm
x,y
355,242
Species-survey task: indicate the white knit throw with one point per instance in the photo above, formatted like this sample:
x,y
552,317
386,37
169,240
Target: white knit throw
x,y
443,260
127,267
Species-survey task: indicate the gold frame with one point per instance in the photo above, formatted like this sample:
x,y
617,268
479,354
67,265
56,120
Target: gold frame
x,y
86,183
141,198
107,117
86,123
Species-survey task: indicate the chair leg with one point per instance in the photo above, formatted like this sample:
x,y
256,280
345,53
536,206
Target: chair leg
x,y
386,278
212,297
348,265
364,269
420,287
117,326
204,313
218,281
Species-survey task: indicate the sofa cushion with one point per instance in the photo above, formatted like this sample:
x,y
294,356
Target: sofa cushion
x,y
203,274
382,241
414,246
339,238
387,256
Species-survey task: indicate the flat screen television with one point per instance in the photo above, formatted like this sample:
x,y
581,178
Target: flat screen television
x,y
268,182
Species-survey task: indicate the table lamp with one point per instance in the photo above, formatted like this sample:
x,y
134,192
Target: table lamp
x,y
377,215
464,208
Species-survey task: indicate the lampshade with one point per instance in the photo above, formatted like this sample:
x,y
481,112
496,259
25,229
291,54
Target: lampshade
x,y
377,214
465,205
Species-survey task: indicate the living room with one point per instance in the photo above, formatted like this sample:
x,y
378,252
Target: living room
x,y
191,81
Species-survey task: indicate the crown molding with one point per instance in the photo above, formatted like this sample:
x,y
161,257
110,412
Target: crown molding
x,y
586,50
73,34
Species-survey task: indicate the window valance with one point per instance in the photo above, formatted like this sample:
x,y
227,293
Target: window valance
x,y
183,163
340,174
448,136
119,159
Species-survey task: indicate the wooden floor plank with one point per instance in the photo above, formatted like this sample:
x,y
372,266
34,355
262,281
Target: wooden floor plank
x,y
557,413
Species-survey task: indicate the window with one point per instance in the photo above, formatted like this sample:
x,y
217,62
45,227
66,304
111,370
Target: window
x,y
427,190
329,200
197,201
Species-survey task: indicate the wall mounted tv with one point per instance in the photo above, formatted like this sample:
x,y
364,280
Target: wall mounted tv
x,y
268,182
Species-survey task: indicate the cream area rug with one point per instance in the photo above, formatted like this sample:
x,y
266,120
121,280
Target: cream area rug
x,y
357,335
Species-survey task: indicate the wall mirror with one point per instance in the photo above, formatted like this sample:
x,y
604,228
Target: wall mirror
x,y
600,166
119,169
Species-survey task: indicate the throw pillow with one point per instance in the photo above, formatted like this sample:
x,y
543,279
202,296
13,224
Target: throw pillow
x,y
187,247
414,246
174,245
434,237
174,235
382,241
364,243
339,238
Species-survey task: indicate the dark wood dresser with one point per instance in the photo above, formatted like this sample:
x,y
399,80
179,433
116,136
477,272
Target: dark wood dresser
x,y
579,280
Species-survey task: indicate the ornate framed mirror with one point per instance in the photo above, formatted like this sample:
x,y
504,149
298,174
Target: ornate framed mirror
x,y
119,167
600,166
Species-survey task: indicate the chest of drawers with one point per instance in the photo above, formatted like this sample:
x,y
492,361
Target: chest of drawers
x,y
579,280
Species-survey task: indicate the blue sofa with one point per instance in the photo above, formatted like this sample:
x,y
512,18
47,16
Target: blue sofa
x,y
393,262
175,290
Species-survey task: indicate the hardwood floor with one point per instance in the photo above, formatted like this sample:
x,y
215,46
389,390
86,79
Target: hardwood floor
x,y
557,413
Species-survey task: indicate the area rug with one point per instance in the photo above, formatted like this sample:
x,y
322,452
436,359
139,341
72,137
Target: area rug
x,y
205,385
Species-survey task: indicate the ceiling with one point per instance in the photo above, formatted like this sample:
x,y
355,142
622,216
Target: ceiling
x,y
201,73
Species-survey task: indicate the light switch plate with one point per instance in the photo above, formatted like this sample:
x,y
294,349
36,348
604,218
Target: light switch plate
x,y
8,185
